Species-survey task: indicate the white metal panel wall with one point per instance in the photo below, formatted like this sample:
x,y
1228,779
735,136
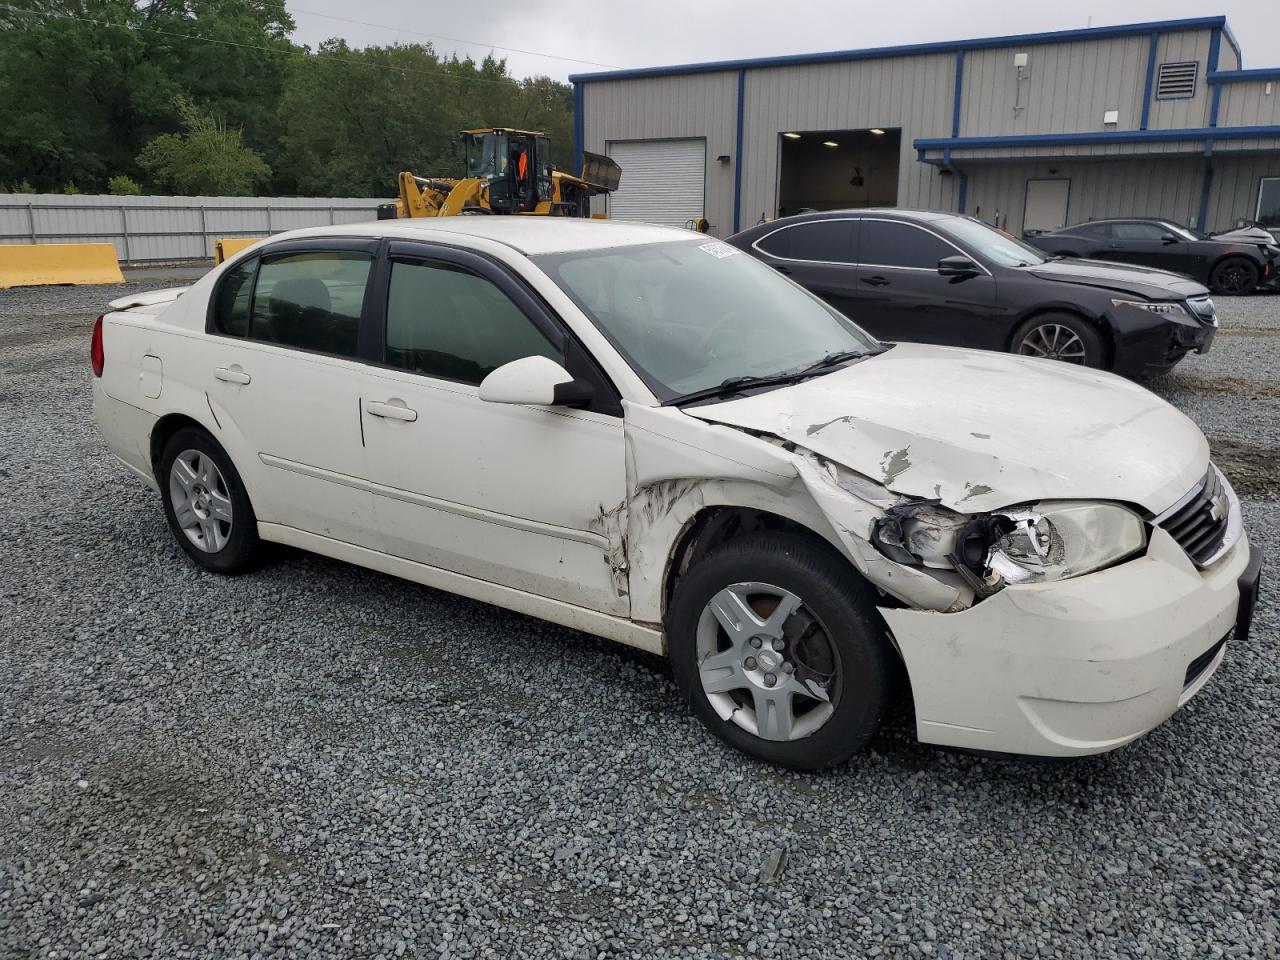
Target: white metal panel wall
x,y
670,108
1233,193
663,181
1194,112
167,228
1249,104
1117,188
1066,87
915,94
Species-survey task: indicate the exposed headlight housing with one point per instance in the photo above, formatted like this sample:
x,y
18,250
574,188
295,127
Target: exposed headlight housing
x,y
1038,543
1058,540
1162,307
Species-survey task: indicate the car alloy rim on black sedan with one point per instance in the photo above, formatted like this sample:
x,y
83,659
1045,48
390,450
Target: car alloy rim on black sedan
x,y
1053,341
766,662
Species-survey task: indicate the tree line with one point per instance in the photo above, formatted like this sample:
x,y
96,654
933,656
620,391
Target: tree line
x,y
212,97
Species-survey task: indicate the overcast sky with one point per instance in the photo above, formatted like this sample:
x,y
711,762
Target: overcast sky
x,y
656,32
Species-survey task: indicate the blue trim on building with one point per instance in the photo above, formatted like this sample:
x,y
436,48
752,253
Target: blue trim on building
x,y
955,110
1215,53
916,49
1244,76
578,128
737,153
1204,195
1149,90
1113,136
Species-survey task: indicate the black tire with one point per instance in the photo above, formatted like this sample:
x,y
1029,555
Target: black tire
x,y
1033,336
1234,276
242,549
843,606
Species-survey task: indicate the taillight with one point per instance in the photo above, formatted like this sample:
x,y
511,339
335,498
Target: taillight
x,y
96,356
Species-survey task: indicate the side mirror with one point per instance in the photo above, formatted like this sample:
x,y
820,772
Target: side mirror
x,y
1168,238
958,267
535,380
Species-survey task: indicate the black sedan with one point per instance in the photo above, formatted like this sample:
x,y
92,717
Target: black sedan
x,y
943,278
1225,263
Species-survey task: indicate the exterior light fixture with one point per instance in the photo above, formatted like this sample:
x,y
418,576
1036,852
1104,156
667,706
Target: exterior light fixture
x,y
792,136
830,143
877,131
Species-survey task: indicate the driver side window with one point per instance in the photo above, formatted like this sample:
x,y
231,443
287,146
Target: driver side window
x,y
445,321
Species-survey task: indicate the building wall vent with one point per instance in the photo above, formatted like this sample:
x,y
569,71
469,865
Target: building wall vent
x,y
1177,80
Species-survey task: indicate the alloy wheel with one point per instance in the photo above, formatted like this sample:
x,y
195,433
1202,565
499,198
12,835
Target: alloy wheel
x,y
1053,341
1234,278
201,500
766,662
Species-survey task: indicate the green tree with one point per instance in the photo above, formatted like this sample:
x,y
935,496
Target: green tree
x,y
122,186
209,158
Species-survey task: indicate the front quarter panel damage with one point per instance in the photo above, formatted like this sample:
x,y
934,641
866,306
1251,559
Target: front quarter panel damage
x,y
677,466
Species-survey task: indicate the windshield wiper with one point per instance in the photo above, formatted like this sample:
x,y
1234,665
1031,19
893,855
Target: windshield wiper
x,y
834,359
735,385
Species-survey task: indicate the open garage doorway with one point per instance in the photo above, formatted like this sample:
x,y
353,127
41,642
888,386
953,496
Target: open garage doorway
x,y
838,169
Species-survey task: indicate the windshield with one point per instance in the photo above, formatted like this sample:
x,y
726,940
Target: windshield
x,y
1186,233
486,155
992,244
689,315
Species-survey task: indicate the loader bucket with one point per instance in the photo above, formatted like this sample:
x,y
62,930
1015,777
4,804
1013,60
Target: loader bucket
x,y
601,171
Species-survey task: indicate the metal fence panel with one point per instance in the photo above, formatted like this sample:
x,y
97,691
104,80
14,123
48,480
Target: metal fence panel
x,y
167,228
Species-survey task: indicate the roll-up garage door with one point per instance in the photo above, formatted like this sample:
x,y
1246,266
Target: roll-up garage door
x,y
663,181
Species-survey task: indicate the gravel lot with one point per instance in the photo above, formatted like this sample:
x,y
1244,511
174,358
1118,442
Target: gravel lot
x,y
316,760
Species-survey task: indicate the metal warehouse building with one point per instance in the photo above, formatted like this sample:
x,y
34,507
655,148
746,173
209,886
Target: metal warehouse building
x,y
1034,131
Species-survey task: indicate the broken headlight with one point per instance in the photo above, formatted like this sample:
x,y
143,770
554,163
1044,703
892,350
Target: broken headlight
x,y
1053,540
1048,541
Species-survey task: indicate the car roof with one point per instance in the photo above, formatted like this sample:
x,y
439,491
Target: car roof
x,y
529,235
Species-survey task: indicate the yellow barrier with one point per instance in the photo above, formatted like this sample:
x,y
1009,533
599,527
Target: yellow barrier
x,y
37,264
230,246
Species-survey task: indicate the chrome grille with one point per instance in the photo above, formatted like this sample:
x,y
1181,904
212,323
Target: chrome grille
x,y
1206,522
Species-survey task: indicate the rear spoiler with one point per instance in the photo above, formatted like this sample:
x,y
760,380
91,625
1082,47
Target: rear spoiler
x,y
600,171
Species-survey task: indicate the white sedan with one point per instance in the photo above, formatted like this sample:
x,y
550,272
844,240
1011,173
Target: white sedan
x,y
646,435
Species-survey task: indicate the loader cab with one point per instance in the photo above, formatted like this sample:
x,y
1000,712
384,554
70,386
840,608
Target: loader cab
x,y
516,164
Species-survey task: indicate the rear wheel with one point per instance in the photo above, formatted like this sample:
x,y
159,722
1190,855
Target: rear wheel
x,y
777,647
1060,336
1234,276
206,504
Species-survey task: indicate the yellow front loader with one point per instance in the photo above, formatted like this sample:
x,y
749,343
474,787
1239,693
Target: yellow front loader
x,y
508,172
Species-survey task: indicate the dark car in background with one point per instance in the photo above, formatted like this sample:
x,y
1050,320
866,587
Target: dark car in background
x,y
1231,263
951,279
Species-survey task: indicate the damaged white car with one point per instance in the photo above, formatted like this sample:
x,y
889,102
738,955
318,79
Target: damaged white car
x,y
645,435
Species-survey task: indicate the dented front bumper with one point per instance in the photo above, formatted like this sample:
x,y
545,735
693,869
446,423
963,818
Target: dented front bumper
x,y
1076,666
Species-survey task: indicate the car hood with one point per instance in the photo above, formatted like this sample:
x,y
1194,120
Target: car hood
x,y
1146,282
1252,235
980,430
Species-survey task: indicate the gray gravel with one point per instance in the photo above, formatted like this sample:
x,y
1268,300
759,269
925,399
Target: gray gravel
x,y
316,760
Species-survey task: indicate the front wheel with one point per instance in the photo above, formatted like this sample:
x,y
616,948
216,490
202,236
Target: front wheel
x,y
1060,336
1234,276
777,647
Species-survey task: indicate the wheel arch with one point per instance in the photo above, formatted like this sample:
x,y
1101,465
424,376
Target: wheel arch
x,y
171,423
1098,322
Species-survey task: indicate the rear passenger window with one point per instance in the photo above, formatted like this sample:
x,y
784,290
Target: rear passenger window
x,y
889,244
235,294
444,321
311,301
831,241
827,240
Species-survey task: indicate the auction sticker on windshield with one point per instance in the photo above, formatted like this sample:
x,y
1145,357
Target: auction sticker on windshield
x,y
719,249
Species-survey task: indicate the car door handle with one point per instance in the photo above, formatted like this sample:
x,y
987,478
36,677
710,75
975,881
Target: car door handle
x,y
232,374
393,409
876,281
